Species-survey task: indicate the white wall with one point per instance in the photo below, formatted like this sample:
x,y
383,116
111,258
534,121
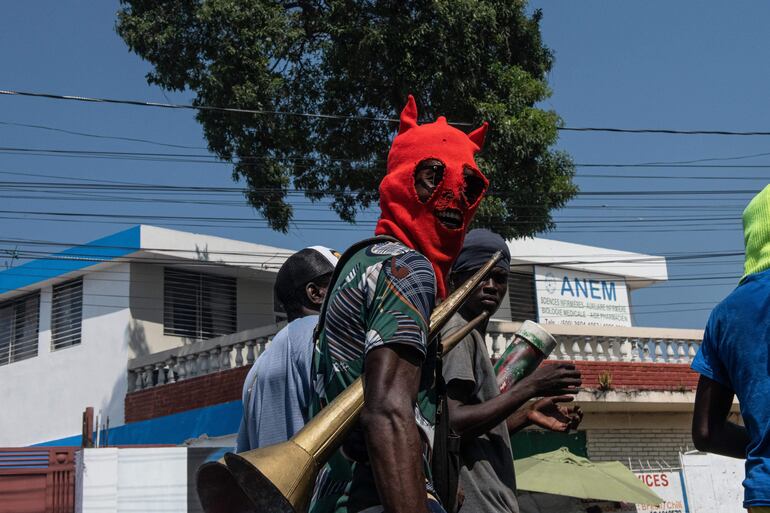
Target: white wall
x,y
44,396
114,480
713,483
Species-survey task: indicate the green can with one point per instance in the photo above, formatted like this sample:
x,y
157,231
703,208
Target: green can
x,y
530,346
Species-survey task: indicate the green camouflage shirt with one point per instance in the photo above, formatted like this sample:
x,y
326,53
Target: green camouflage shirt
x,y
384,294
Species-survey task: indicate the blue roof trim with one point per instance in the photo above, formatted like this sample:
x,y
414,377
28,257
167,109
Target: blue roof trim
x,y
218,420
91,253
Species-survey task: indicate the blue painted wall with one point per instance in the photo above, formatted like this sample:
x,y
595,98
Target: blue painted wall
x,y
218,420
88,254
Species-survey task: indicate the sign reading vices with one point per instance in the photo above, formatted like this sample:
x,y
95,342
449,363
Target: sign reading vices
x,y
579,298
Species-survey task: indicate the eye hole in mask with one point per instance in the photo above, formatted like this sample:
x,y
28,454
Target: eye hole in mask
x,y
474,186
427,176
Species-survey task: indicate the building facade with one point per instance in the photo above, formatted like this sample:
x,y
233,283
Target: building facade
x,y
158,328
71,322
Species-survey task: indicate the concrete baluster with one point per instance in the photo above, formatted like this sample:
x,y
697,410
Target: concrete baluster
x,y
250,351
692,349
226,364
203,363
136,384
192,371
647,349
171,363
498,345
261,343
658,355
238,354
600,348
670,351
148,381
681,351
587,353
181,371
160,367
626,350
488,342
214,359
575,351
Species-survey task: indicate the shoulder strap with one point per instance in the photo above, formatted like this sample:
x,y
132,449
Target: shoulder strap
x,y
346,256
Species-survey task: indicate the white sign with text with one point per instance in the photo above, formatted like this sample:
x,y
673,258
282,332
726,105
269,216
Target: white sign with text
x,y
668,486
580,298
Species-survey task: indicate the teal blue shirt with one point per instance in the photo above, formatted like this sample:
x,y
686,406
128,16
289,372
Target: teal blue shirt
x,y
735,352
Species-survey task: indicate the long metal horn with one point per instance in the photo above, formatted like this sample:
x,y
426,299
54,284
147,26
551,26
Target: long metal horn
x,y
280,478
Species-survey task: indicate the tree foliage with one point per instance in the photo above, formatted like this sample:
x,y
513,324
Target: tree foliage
x,y
471,60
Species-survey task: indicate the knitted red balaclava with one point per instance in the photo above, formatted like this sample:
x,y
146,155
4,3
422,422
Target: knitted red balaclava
x,y
419,225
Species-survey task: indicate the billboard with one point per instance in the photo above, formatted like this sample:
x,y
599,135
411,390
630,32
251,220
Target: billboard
x,y
580,298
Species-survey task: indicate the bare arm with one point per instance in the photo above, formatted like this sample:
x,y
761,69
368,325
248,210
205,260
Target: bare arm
x,y
469,420
391,382
711,431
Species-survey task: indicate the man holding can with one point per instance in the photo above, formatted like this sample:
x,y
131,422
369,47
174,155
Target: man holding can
x,y
483,417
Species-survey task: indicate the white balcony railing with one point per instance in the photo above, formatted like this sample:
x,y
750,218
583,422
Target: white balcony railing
x,y
607,344
582,343
199,358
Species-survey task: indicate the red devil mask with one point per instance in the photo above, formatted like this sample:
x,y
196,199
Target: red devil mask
x,y
432,189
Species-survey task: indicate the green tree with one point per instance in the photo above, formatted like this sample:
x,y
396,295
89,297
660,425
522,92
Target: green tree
x,y
471,60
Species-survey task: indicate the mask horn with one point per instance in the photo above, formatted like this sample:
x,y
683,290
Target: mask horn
x,y
408,116
478,135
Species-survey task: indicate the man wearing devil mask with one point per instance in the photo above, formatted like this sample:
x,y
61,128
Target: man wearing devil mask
x,y
375,319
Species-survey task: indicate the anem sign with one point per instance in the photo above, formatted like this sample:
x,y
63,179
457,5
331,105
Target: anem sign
x,y
580,298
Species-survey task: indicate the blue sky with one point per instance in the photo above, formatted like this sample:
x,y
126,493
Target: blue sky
x,y
682,65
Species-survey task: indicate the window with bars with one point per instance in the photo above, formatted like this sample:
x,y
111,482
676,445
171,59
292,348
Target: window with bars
x,y
522,295
198,305
66,314
19,320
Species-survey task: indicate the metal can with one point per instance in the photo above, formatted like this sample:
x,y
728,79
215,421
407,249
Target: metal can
x,y
531,345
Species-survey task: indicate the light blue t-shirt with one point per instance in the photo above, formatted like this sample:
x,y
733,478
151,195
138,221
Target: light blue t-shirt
x,y
276,392
736,353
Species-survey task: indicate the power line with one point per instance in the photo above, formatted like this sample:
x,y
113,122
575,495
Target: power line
x,y
677,163
183,106
236,110
145,188
98,136
668,131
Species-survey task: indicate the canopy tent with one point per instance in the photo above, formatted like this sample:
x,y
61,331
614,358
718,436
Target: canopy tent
x,y
562,473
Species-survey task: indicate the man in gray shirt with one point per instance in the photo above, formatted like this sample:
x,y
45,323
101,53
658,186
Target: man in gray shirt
x,y
482,416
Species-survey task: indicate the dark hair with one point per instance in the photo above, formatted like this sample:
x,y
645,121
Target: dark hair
x,y
301,268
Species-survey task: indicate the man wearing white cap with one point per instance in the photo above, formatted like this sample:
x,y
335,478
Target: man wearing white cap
x,y
276,392
483,417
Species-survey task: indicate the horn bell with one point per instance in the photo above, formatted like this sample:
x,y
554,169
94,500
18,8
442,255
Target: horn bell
x,y
276,479
219,492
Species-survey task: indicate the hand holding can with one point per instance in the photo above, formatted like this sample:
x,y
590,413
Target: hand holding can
x,y
531,345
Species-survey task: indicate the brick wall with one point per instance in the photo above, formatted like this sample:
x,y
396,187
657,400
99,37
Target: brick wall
x,y
216,388
638,444
639,376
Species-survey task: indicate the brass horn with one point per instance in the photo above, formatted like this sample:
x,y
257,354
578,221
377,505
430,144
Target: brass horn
x,y
280,478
